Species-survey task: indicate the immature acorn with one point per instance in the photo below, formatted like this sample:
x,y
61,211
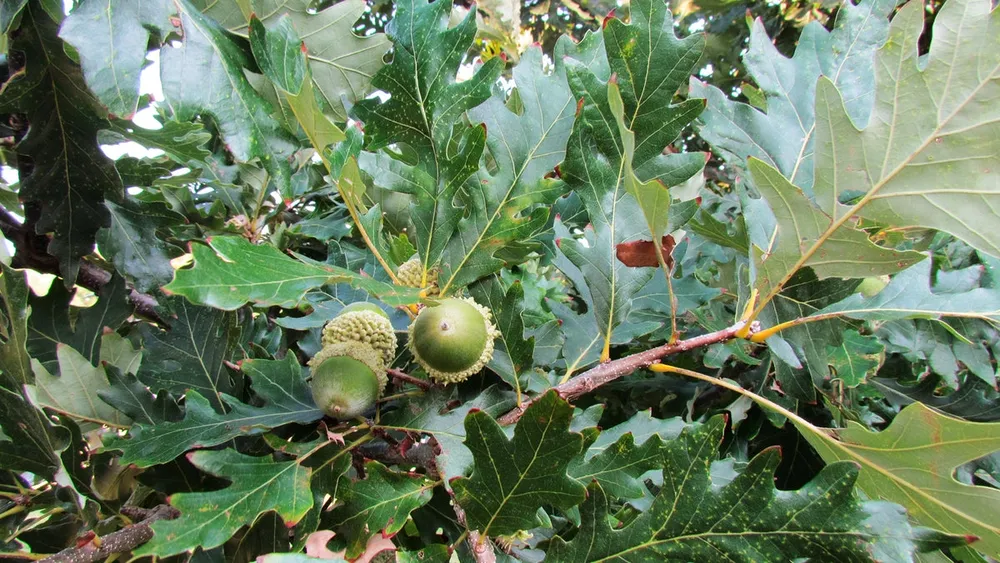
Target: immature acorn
x,y
365,323
452,339
411,274
347,378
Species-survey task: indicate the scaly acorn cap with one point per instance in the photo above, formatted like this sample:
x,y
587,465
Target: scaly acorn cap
x,y
365,326
411,273
359,351
453,339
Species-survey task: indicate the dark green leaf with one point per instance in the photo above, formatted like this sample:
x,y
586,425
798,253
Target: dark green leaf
x,y
15,363
744,520
193,353
51,324
70,177
205,75
856,358
379,503
617,463
512,353
31,442
279,53
134,399
508,208
595,165
209,519
279,384
132,245
426,105
513,478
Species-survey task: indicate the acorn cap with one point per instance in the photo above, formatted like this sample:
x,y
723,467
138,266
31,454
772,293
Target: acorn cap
x,y
359,351
453,339
368,327
344,387
411,274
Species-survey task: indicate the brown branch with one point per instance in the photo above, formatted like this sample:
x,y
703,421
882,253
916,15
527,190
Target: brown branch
x,y
403,377
122,541
610,371
30,253
481,548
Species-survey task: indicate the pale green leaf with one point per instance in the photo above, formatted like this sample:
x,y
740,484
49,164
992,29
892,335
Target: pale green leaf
x,y
912,462
74,391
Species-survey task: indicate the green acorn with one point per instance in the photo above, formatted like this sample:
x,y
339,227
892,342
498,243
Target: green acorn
x,y
359,322
344,386
411,274
358,351
452,339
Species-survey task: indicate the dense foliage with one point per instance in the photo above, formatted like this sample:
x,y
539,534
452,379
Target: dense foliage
x,y
688,285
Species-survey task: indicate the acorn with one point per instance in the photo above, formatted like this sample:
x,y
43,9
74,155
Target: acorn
x,y
358,351
411,274
345,387
365,323
452,339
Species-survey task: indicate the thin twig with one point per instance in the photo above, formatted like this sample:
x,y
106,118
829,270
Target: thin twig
x,y
610,371
122,541
403,377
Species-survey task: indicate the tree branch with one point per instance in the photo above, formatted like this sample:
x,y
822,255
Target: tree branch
x,y
402,377
30,253
481,548
122,541
610,371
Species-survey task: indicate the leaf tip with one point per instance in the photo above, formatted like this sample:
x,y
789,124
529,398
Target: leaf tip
x,y
607,19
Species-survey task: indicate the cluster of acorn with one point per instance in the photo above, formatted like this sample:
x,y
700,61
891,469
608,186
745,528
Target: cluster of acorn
x,y
450,338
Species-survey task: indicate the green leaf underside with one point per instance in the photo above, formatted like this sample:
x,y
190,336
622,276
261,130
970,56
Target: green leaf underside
x,y
784,135
232,271
279,383
75,390
342,63
912,463
208,519
909,296
380,503
513,478
111,39
847,252
929,135
205,74
744,520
